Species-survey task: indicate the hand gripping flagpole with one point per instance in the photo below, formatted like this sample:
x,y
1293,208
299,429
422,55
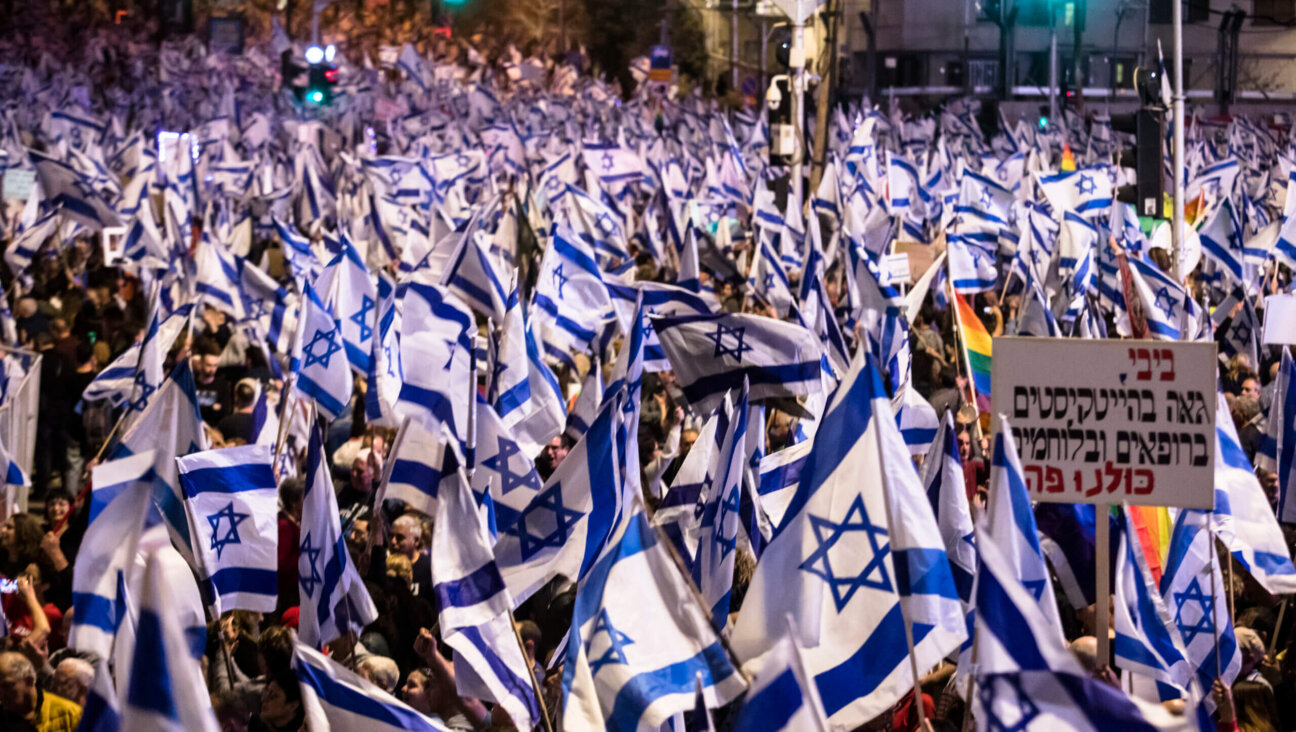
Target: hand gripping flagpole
x,y
908,622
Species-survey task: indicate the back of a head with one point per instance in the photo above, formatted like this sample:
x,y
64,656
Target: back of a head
x,y
78,668
245,393
1256,707
276,648
291,492
1085,649
382,671
15,666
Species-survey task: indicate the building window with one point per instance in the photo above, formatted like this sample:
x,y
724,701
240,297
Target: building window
x,y
1194,11
1274,12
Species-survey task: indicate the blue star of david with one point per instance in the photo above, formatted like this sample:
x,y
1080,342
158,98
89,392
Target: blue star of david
x,y
987,200
361,317
866,152
144,390
550,501
560,279
1026,708
311,553
232,519
726,544
1035,587
553,184
1086,185
769,281
607,162
1169,306
391,362
1241,332
828,533
452,345
254,307
737,349
1212,186
462,160
1205,623
617,641
329,338
499,462
605,224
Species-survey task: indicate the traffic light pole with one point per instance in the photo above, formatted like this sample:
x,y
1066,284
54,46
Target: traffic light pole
x,y
1053,65
1176,20
797,68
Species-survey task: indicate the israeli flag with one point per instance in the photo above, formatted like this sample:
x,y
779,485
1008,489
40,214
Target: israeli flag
x,y
272,308
916,418
859,497
117,382
319,365
784,697
1147,641
165,689
983,203
471,274
171,426
942,478
386,370
522,388
119,504
1034,317
28,242
658,299
1027,678
678,513
587,405
769,281
972,266
350,293
67,190
1193,585
570,300
232,499
637,627
1010,524
334,697
718,528
471,597
780,474
712,354
1221,240
1165,303
302,262
613,164
421,460
501,468
102,711
1087,191
1277,452
217,278
562,529
1284,249
437,332
333,598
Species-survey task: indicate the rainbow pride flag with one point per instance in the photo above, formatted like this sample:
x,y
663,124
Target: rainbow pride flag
x,y
977,342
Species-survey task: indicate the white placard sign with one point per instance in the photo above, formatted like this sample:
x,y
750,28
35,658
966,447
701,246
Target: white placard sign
x,y
1099,421
18,184
895,269
1280,319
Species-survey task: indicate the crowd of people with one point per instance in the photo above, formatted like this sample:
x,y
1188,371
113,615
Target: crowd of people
x,y
82,313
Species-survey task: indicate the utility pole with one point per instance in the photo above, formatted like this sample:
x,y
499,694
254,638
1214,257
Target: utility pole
x,y
797,66
1053,64
733,30
1176,20
1077,36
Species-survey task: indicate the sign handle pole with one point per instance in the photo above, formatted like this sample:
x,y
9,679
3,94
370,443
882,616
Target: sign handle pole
x,y
1214,568
1102,566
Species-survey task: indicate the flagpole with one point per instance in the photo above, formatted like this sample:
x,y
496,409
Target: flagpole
x,y
285,395
535,684
1214,625
908,622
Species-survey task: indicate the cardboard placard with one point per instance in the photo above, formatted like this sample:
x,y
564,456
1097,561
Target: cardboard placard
x,y
1103,421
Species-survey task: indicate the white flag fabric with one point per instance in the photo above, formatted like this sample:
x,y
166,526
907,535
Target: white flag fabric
x,y
320,373
437,332
784,696
334,698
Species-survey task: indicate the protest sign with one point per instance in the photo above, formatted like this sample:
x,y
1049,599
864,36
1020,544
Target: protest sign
x,y
1110,421
1280,320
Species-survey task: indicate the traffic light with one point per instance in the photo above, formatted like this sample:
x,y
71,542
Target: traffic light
x,y
323,76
